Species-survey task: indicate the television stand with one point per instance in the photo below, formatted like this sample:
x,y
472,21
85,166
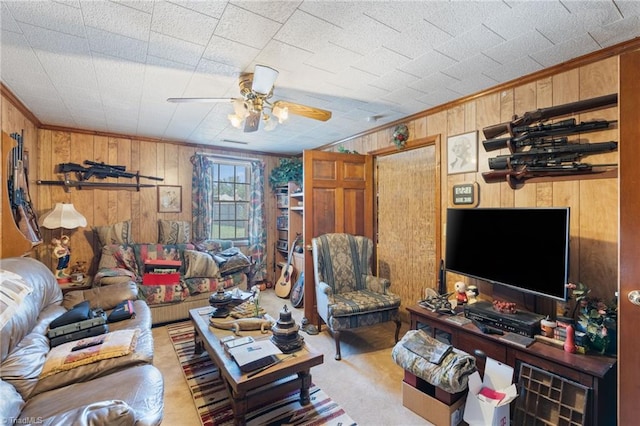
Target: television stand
x,y
597,373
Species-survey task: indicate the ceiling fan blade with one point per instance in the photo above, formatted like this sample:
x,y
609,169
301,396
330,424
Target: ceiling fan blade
x,y
263,79
252,121
200,100
303,110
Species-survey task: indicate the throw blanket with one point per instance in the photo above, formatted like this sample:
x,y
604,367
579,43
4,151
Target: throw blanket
x,y
114,344
451,374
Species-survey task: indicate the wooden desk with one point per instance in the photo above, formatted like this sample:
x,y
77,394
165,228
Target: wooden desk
x,y
598,373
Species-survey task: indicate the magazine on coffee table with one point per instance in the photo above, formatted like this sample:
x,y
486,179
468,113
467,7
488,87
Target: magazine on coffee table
x,y
255,355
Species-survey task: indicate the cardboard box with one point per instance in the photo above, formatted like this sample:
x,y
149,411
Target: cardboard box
x,y
482,410
429,408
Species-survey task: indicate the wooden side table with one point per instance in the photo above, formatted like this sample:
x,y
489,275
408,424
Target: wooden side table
x,y
85,284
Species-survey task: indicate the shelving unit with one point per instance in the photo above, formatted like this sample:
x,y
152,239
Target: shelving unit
x,y
548,399
289,224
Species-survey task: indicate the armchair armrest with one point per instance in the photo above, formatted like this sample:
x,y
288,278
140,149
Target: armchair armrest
x,y
377,284
324,295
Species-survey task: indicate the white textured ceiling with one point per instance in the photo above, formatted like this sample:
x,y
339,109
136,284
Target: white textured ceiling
x,y
110,65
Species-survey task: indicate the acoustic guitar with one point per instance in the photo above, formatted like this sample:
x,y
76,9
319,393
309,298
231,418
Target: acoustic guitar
x,y
283,285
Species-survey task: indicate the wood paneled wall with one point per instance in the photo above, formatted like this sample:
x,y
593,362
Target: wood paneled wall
x,y
593,202
171,161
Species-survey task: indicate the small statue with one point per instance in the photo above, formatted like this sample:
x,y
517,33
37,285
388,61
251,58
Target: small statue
x,y
79,268
461,293
62,252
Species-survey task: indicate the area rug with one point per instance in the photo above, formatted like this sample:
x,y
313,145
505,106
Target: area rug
x,y
212,401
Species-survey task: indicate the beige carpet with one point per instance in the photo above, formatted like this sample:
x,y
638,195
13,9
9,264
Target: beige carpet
x,y
366,382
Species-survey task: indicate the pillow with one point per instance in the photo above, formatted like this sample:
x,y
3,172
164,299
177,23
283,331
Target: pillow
x,y
235,261
199,265
159,294
174,231
118,233
213,245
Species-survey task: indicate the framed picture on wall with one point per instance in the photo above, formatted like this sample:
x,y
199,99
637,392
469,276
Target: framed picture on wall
x,y
169,199
462,153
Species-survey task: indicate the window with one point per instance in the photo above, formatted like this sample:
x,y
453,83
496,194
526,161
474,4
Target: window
x,y
231,192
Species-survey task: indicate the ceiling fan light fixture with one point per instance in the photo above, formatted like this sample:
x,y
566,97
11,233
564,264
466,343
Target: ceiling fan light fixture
x,y
263,79
269,123
236,121
240,108
281,113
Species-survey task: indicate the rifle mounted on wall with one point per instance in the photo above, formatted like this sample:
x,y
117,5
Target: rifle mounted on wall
x,y
68,184
100,171
538,157
535,135
517,178
543,114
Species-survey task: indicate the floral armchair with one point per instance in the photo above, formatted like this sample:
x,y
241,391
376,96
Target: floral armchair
x,y
347,294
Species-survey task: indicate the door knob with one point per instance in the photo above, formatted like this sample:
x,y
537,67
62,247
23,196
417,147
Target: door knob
x,y
634,297
309,247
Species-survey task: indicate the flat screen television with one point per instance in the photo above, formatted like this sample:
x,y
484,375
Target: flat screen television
x,y
526,249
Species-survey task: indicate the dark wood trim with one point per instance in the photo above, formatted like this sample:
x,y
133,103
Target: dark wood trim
x,y
615,50
629,235
13,100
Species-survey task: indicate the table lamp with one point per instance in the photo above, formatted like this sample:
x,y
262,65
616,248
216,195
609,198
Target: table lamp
x,y
67,217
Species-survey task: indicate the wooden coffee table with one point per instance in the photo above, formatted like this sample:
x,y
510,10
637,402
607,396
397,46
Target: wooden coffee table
x,y
246,392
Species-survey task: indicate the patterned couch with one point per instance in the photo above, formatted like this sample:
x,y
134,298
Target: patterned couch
x,y
204,267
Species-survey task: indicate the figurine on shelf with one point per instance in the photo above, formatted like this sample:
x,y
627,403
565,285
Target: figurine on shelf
x,y
461,293
62,252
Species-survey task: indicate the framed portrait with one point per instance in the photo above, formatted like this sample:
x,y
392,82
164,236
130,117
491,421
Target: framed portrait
x,y
169,199
462,153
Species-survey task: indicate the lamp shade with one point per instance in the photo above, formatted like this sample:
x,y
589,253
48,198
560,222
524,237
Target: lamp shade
x,y
63,216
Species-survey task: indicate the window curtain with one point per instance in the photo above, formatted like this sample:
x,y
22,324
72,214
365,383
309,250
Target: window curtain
x,y
257,229
202,197
202,211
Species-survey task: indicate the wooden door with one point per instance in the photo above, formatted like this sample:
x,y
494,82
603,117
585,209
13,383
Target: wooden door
x,y
338,197
408,212
628,313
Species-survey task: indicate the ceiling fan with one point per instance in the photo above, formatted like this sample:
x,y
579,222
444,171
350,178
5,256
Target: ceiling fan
x,y
256,89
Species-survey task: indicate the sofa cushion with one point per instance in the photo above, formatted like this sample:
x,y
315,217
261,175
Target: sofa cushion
x,y
160,251
111,412
141,387
14,290
26,316
11,402
157,294
118,233
102,297
232,260
199,264
110,345
174,231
